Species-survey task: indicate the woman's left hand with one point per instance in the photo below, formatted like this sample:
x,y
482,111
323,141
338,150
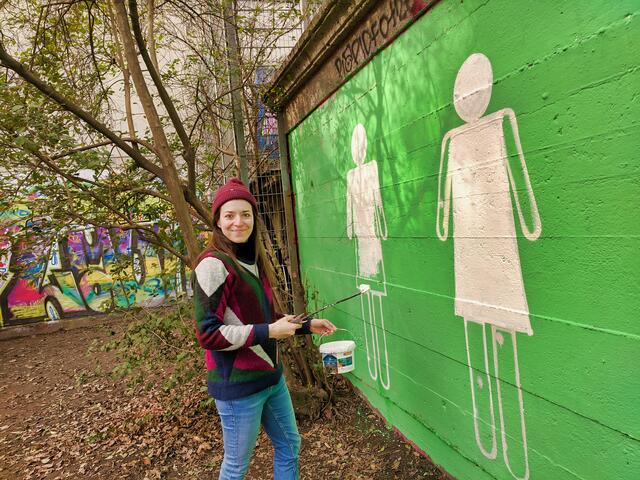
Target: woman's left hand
x,y
321,326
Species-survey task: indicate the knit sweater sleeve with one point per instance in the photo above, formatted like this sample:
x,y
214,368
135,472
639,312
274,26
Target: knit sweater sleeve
x,y
211,297
305,329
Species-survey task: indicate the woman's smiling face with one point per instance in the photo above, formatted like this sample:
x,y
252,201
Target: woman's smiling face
x,y
236,220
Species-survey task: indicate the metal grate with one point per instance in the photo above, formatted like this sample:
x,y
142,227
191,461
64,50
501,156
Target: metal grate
x,y
267,188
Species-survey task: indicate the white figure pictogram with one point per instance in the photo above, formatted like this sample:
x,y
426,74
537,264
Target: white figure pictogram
x,y
366,222
476,181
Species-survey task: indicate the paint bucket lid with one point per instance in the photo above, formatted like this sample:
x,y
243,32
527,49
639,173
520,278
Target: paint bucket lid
x,y
340,346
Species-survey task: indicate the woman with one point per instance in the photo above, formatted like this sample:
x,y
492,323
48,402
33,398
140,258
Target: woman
x,y
235,324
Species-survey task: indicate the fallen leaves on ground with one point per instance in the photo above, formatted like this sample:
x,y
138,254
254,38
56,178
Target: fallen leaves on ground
x,y
63,417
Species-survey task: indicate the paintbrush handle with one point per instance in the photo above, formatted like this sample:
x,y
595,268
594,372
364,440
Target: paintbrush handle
x,y
308,316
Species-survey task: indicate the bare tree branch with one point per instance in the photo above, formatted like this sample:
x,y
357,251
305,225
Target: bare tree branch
x,y
171,178
93,146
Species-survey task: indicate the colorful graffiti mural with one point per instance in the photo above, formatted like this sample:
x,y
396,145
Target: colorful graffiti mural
x,y
85,271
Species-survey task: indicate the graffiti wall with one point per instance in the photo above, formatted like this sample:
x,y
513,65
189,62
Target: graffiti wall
x,y
481,176
85,271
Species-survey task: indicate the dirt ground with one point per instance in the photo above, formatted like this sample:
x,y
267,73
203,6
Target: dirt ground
x,y
62,415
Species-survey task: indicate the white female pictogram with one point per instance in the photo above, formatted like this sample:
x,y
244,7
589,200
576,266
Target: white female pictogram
x,y
366,222
477,182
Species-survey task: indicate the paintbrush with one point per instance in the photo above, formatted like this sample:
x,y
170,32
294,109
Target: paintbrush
x,y
363,288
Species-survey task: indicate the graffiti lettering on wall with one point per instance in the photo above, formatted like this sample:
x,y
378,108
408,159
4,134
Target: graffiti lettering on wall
x,y
374,34
86,271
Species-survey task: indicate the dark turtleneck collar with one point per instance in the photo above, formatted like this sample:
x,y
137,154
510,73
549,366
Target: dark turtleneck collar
x,y
245,252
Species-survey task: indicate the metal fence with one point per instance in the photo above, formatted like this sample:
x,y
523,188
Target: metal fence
x,y
267,188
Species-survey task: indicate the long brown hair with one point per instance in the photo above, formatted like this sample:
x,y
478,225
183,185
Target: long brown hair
x,y
219,243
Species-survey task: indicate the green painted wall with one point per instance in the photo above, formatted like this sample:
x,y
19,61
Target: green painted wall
x,y
570,72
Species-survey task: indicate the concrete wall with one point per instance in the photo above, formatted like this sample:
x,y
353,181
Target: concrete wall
x,y
481,174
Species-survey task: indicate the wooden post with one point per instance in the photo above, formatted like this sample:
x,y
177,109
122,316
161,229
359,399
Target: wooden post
x,y
299,303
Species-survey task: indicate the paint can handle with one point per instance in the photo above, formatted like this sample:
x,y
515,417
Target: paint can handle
x,y
322,337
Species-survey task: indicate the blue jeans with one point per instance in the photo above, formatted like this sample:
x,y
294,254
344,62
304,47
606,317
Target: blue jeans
x,y
241,419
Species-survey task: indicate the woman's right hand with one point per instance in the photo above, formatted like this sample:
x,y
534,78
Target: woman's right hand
x,y
283,327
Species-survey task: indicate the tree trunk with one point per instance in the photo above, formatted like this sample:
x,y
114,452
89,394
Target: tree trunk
x,y
233,55
171,178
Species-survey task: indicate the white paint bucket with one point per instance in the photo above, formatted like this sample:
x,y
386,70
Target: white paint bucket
x,y
337,357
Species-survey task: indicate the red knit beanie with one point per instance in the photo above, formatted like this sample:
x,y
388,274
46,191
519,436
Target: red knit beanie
x,y
234,189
